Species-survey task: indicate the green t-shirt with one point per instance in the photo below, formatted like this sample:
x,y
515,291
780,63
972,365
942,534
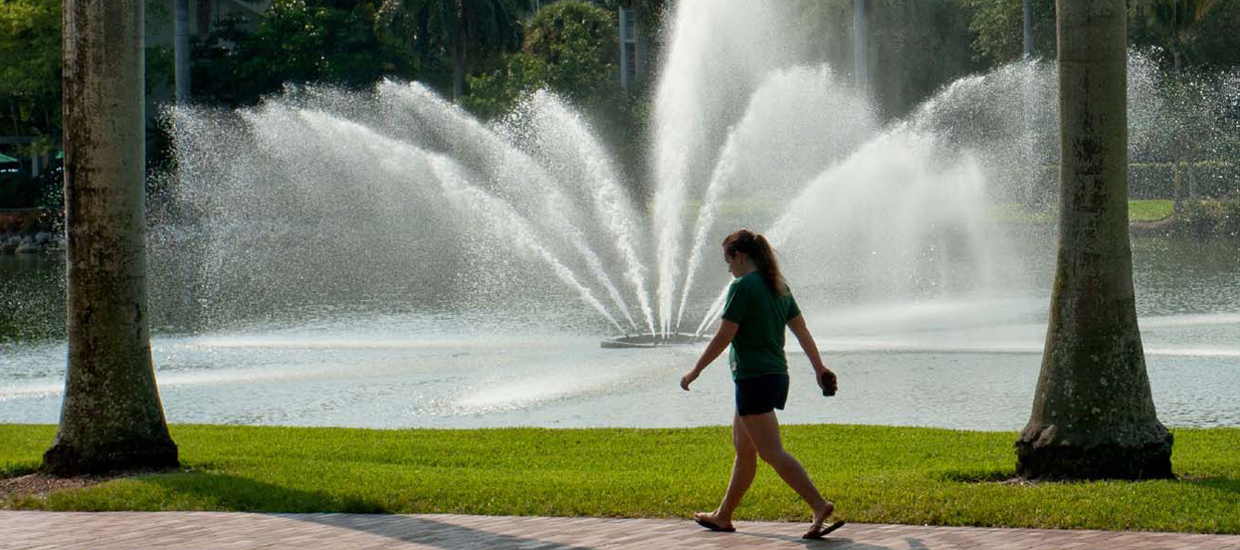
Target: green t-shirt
x,y
758,347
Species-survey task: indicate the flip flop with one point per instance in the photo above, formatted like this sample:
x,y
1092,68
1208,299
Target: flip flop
x,y
713,526
820,531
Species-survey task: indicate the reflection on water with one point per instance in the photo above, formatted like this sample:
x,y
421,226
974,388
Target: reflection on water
x,y
366,358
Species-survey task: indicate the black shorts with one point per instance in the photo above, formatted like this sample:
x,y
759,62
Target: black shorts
x,y
762,394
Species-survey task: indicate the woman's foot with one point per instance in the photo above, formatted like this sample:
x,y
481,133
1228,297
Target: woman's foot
x,y
821,513
713,522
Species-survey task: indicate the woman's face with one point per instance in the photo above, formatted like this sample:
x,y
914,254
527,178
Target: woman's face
x,y
735,262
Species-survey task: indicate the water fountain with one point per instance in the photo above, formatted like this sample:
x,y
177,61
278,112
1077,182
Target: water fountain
x,y
744,130
383,258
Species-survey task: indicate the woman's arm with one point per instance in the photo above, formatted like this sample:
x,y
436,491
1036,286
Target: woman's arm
x,y
797,325
723,337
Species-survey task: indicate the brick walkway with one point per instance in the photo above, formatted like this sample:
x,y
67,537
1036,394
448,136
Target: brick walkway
x,y
113,530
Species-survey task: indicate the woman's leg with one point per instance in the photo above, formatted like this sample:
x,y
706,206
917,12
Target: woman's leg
x,y
763,432
744,468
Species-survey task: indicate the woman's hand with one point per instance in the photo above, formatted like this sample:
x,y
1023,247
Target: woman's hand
x,y
826,380
688,378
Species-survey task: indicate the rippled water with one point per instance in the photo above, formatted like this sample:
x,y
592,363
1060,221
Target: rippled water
x,y
364,360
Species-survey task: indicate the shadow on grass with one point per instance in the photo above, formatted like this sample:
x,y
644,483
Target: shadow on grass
x,y
17,470
1008,477
240,494
974,476
1227,484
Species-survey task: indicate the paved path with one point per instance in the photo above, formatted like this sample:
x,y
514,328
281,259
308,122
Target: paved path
x,y
158,530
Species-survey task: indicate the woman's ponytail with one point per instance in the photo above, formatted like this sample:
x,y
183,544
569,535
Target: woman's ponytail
x,y
763,256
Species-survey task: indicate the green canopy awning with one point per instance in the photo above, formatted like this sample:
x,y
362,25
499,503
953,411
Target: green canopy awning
x,y
5,159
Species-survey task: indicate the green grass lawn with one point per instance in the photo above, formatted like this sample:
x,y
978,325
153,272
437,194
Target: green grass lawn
x,y
873,473
1149,210
1138,211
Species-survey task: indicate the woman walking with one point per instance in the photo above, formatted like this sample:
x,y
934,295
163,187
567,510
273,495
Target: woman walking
x,y
759,306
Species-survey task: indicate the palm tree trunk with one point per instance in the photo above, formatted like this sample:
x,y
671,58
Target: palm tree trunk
x,y
13,115
860,64
111,417
182,51
1027,27
458,51
1093,414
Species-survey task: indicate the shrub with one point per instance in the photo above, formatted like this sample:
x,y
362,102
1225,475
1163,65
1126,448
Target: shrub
x,y
1229,216
569,48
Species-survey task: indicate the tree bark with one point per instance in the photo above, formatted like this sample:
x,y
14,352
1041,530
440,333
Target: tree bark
x,y
1027,28
860,29
111,418
1093,415
458,51
17,132
182,51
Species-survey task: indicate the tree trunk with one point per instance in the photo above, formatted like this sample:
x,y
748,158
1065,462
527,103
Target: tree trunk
x,y
1027,27
17,132
458,51
111,418
182,51
1093,415
1177,53
1179,183
860,64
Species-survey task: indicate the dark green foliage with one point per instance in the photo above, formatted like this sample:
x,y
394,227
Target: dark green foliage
x,y
1157,180
569,48
1209,218
998,29
915,48
1197,218
42,191
1174,22
1228,224
1215,40
651,14
30,73
299,41
456,32
1203,31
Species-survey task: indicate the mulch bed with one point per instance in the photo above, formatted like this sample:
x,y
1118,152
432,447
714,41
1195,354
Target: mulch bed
x,y
40,485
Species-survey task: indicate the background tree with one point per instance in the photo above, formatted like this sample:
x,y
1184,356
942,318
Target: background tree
x,y
1213,42
915,48
298,41
457,28
182,50
30,72
111,417
1175,21
569,48
1093,414
998,32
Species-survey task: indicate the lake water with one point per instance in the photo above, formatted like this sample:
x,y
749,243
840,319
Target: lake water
x,y
393,358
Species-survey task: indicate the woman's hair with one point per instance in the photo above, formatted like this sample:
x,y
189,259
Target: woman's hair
x,y
762,255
